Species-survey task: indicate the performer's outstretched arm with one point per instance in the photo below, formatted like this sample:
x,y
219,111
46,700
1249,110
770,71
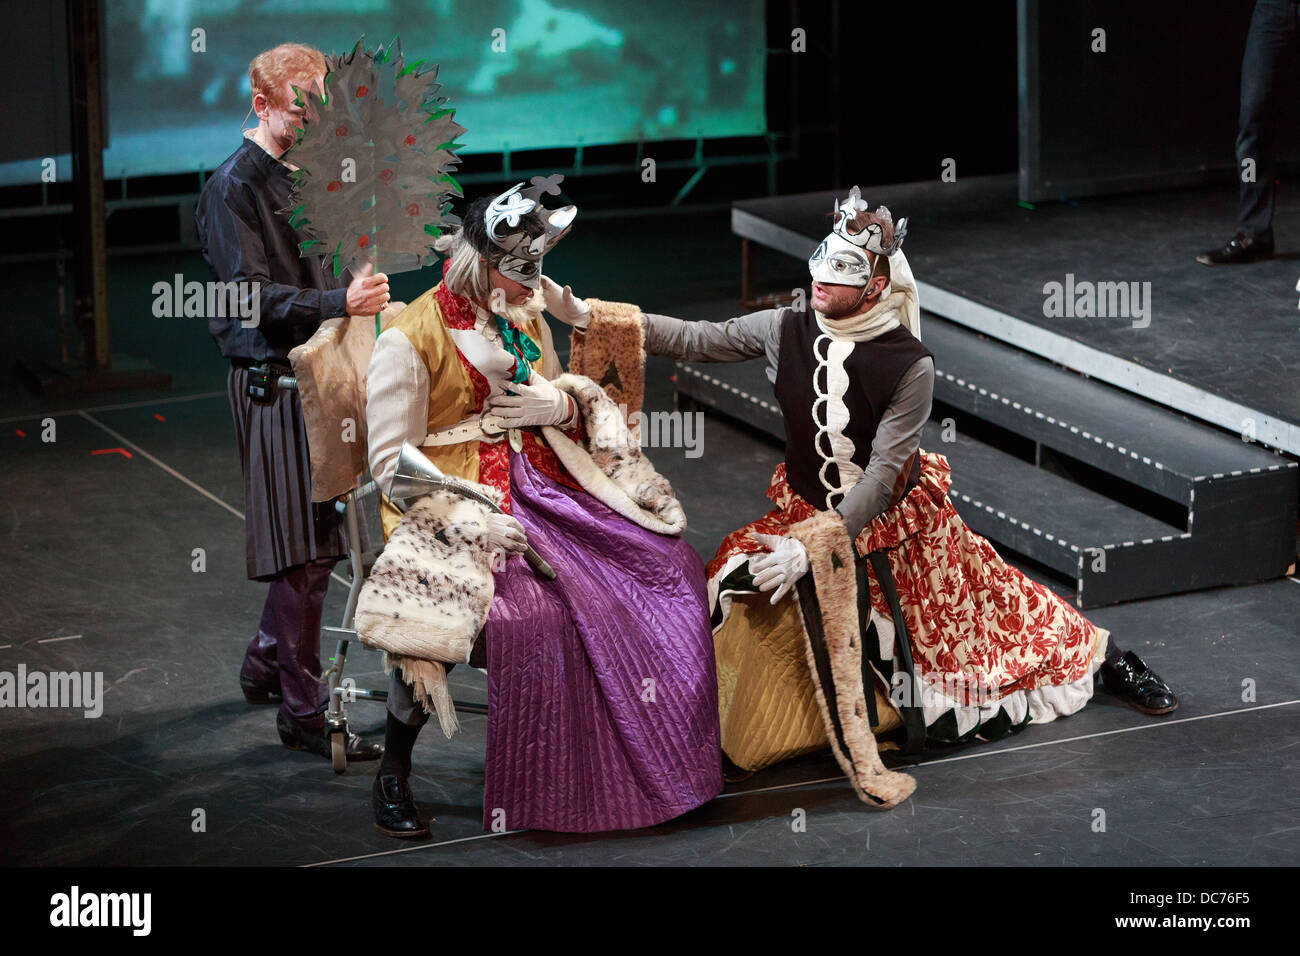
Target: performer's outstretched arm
x,y
735,340
897,439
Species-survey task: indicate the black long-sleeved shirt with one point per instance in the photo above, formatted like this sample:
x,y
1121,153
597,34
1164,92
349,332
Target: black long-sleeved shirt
x,y
245,237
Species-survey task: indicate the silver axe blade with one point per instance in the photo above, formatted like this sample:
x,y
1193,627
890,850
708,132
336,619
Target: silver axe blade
x,y
416,476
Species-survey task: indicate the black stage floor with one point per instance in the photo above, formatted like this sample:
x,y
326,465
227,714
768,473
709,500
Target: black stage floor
x,y
1216,343
98,576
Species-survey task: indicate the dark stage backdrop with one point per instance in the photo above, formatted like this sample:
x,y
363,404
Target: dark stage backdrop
x,y
1157,108
903,87
34,74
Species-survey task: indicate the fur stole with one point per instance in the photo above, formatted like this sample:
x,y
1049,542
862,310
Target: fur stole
x,y
833,648
611,467
429,593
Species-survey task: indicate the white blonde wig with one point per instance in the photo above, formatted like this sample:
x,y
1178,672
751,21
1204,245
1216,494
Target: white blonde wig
x,y
467,274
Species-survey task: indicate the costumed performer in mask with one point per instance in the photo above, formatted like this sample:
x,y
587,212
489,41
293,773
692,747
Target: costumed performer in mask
x,y
603,708
988,650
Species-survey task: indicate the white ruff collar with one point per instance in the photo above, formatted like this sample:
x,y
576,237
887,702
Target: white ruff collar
x,y
884,316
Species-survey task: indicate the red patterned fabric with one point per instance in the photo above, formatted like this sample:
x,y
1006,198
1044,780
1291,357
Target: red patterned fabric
x,y
494,469
494,457
541,457
974,622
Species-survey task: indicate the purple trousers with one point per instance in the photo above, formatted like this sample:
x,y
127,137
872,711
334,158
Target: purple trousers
x,y
603,692
286,648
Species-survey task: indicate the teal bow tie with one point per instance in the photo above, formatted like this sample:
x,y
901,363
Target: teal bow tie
x,y
525,349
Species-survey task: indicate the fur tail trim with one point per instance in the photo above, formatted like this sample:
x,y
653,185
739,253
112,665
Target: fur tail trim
x,y
833,646
611,467
428,680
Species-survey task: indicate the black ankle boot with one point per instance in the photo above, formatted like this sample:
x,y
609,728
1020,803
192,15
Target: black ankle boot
x,y
1239,249
395,811
394,806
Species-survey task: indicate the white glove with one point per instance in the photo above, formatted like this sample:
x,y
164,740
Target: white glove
x,y
505,533
564,305
782,567
539,403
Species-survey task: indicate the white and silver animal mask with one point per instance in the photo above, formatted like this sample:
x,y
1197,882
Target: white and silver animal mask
x,y
520,255
842,258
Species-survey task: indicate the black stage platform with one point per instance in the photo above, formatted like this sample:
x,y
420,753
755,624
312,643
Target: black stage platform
x,y
1221,344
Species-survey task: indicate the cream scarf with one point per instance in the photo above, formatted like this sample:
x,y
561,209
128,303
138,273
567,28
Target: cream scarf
x,y
898,305
885,316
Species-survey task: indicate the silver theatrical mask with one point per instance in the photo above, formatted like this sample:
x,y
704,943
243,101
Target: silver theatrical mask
x,y
840,259
521,253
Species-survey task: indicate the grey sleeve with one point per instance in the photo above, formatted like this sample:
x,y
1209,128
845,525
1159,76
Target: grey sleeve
x,y
745,337
898,436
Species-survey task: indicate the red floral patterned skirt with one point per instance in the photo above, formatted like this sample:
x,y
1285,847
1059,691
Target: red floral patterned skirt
x,y
974,622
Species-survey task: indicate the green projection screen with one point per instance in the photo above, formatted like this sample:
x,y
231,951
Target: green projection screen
x,y
522,74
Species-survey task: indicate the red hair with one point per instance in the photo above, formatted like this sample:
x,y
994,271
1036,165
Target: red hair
x,y
270,69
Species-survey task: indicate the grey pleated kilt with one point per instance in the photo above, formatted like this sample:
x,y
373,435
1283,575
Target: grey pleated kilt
x,y
282,527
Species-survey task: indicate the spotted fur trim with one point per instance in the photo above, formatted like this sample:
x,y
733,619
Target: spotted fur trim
x,y
611,466
429,593
611,352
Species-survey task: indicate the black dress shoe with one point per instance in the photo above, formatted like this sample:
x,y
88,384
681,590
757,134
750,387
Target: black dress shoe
x,y
1239,250
297,736
259,691
395,812
1137,685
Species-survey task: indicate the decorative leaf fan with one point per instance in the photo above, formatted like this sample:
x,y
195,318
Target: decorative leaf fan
x,y
374,161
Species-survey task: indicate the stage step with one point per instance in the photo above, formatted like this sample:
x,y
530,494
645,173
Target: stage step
x,y
1115,431
1240,500
1112,552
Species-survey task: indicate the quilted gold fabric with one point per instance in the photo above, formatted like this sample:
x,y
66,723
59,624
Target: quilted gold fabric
x,y
765,695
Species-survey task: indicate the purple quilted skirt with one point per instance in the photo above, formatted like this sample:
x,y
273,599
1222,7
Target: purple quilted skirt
x,y
602,685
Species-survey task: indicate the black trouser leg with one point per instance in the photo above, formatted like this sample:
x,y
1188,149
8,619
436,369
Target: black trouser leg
x,y
1268,58
399,742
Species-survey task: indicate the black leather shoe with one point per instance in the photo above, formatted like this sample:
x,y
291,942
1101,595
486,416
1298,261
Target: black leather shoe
x,y
297,736
1239,250
1137,685
395,812
259,691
